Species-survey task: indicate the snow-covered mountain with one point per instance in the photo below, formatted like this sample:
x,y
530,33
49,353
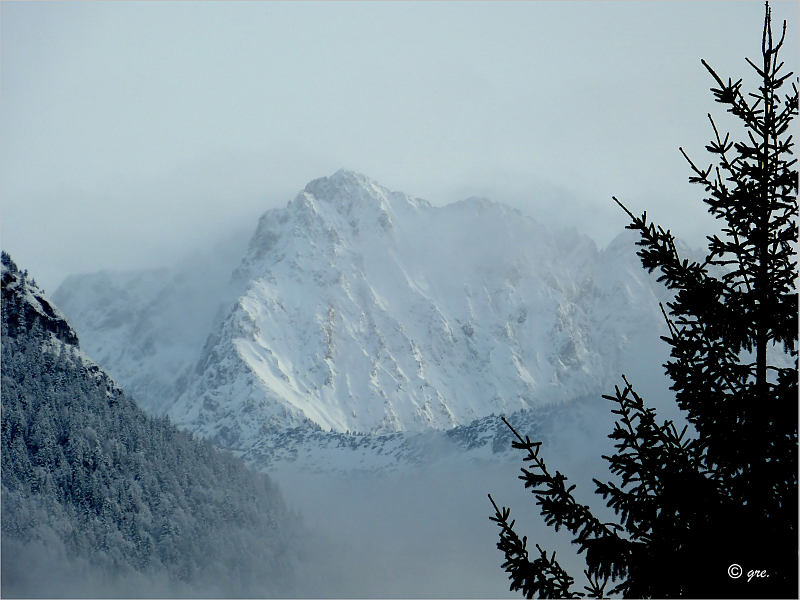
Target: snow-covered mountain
x,y
148,327
364,310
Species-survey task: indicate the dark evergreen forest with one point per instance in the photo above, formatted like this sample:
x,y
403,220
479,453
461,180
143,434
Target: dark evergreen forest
x,y
100,499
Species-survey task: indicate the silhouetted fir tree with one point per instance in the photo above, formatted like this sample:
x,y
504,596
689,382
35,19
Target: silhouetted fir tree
x,y
701,515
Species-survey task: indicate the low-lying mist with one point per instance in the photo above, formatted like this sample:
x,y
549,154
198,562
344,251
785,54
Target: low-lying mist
x,y
426,532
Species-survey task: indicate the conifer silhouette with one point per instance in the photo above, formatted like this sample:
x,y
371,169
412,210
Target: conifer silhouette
x,y
700,514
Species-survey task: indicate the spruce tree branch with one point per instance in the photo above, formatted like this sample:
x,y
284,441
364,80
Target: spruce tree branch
x,y
542,576
720,192
595,589
677,335
560,509
625,208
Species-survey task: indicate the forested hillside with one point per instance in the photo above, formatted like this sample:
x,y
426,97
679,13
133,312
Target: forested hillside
x,y
100,499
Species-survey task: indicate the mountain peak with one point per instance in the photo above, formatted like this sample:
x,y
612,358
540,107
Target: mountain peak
x,y
346,175
344,187
347,189
358,308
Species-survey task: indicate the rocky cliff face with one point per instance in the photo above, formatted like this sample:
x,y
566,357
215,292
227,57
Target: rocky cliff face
x,y
27,306
360,309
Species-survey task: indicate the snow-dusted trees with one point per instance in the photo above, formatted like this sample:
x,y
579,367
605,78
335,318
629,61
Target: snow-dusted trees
x,y
713,513
85,472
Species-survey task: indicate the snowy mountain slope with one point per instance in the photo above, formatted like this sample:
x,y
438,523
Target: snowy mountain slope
x,y
367,310
117,316
147,327
360,309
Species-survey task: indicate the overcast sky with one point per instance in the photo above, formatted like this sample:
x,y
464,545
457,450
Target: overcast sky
x,y
134,133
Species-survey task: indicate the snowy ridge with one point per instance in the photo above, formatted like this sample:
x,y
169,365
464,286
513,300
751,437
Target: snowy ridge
x,y
367,310
313,450
364,310
147,327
